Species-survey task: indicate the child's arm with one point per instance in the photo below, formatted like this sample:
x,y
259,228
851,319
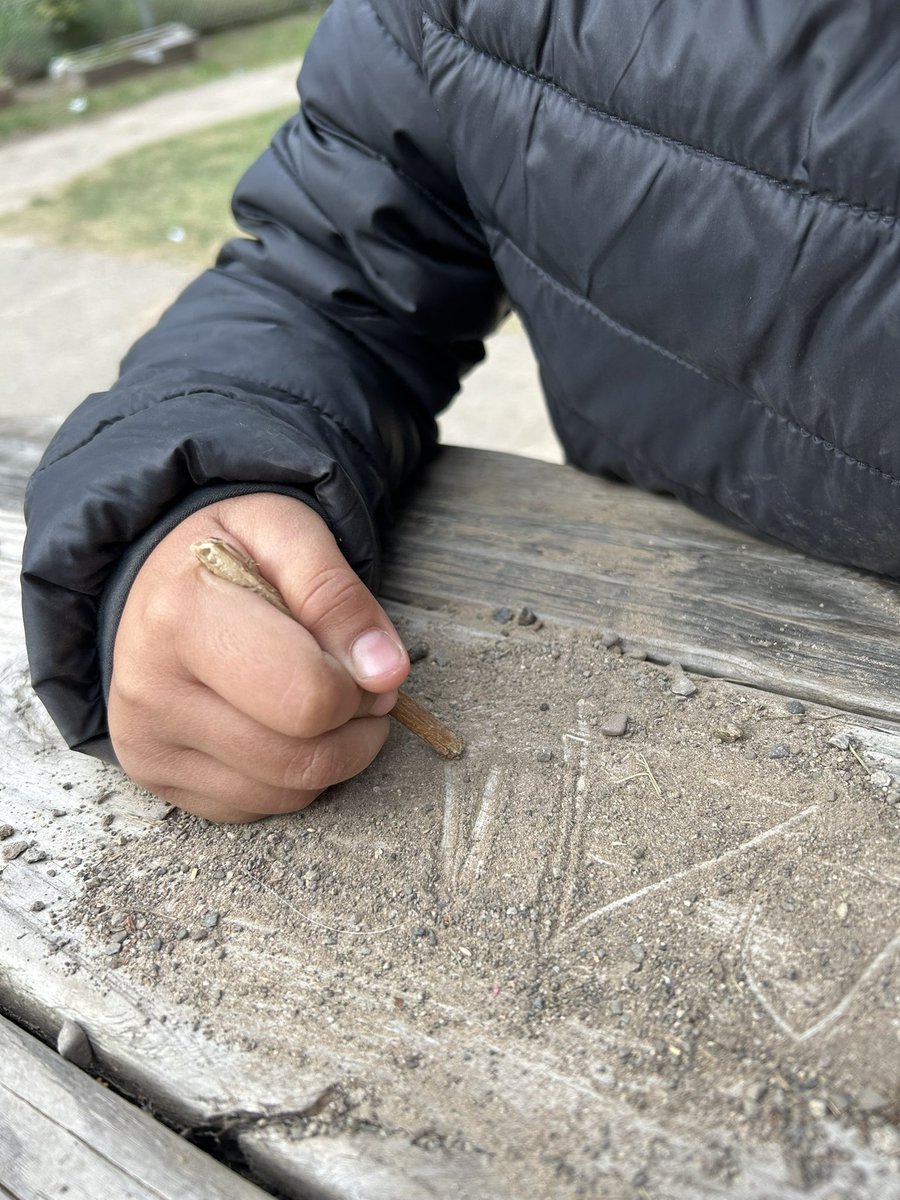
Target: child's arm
x,y
310,362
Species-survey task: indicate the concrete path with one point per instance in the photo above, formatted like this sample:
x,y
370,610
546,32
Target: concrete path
x,y
68,317
36,166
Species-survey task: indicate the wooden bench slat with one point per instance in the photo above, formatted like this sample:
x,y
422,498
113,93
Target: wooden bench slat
x,y
489,529
62,1133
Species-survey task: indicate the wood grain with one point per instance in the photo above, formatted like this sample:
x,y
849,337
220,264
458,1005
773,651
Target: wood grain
x,y
491,530
62,1133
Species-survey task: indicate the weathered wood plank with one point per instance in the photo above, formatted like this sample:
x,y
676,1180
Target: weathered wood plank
x,y
62,1133
524,973
489,529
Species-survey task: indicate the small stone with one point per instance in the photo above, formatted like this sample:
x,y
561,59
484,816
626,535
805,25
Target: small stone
x,y
730,733
181,934
779,751
74,1045
637,952
544,756
795,707
155,944
616,1007
637,655
503,615
880,779
11,850
526,616
870,1101
112,947
6,831
544,706
817,1109
840,741
211,920
609,638
38,906
842,911
683,687
615,725
35,855
441,660
417,651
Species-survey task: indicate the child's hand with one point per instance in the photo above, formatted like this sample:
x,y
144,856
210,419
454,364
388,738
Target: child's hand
x,y
221,704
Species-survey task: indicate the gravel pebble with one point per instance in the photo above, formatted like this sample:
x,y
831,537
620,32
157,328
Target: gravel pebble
x,y
779,751
615,725
880,779
211,920
682,686
870,1101
11,850
730,733
609,638
795,707
417,651
526,616
544,756
73,1044
503,615
6,831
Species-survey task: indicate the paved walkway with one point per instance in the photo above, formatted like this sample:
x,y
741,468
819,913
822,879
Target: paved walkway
x,y
69,316
35,166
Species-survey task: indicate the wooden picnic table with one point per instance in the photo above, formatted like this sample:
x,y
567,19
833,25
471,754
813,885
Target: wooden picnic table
x,y
571,964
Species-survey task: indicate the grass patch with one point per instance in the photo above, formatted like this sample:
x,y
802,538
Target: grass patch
x,y
221,54
137,203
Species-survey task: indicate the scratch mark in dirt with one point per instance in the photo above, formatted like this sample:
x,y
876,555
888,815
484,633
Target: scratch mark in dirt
x,y
622,901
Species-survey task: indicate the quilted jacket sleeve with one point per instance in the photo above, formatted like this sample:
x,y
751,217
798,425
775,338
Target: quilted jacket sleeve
x,y
311,359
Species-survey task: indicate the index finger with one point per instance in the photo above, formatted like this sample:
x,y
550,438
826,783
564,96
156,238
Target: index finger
x,y
264,663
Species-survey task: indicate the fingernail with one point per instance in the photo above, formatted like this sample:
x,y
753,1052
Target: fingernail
x,y
374,654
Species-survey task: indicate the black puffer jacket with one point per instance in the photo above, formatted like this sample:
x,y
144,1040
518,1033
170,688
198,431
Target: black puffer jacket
x,y
691,203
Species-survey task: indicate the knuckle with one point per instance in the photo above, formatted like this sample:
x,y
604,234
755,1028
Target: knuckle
x,y
336,594
313,766
308,704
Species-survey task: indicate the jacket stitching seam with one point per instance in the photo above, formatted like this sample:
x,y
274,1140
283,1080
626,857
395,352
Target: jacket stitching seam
x,y
466,227
284,397
885,216
749,397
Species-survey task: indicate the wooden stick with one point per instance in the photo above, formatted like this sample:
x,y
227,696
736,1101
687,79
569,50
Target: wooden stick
x,y
228,563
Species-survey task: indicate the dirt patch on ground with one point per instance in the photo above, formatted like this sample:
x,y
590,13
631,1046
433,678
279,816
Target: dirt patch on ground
x,y
658,963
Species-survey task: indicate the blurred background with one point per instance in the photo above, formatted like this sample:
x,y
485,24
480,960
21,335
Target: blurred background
x,y
124,126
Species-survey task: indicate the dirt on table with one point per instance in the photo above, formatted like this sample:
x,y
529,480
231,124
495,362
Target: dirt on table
x,y
640,940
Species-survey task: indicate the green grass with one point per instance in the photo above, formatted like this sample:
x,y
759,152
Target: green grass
x,y
221,54
130,205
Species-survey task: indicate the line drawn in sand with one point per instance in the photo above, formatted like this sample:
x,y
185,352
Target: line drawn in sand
x,y
464,858
836,1012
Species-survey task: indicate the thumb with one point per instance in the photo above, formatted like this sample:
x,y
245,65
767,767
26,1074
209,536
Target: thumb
x,y
325,595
